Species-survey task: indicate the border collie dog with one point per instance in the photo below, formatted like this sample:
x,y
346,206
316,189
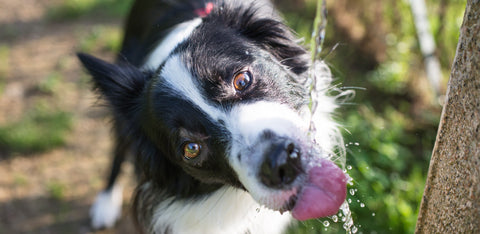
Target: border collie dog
x,y
209,98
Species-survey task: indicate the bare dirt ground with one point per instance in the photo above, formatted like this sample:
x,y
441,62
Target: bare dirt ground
x,y
51,192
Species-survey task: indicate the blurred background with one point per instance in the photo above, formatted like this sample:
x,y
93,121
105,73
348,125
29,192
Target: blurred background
x,y
55,135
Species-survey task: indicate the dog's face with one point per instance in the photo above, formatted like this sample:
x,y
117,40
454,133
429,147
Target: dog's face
x,y
226,107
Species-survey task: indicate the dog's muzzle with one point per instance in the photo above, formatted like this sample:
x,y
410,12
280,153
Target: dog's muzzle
x,y
290,165
281,167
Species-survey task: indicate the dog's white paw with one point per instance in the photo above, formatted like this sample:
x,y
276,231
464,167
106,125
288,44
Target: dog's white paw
x,y
107,208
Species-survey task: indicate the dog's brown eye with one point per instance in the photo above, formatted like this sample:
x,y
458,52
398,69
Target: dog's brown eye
x,y
191,150
242,80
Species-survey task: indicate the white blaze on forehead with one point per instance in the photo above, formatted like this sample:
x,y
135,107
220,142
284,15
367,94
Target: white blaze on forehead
x,y
251,120
178,34
178,78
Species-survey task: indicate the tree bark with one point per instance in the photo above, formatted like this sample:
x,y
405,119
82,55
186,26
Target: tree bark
x,y
451,201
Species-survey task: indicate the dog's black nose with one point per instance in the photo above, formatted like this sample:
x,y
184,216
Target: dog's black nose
x,y
281,164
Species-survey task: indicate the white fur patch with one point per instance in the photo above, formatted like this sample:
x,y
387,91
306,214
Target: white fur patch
x,y
170,42
107,208
251,120
228,210
180,79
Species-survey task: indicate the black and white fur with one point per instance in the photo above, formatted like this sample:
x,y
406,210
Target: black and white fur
x,y
172,84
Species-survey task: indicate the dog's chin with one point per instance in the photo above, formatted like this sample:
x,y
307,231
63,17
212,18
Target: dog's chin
x,y
318,193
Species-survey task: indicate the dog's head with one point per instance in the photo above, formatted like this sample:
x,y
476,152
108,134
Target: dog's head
x,y
227,106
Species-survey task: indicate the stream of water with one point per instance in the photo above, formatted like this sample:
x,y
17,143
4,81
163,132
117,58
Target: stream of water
x,y
316,45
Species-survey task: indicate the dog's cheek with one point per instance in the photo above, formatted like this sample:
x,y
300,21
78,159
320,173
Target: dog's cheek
x,y
245,165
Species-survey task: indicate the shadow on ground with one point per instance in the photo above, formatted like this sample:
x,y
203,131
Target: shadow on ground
x,y
46,215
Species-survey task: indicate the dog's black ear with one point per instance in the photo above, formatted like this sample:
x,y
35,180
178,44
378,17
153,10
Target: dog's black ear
x,y
121,85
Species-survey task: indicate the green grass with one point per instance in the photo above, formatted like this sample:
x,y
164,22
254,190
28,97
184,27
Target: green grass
x,y
4,65
103,38
20,180
50,83
395,137
73,9
39,130
56,190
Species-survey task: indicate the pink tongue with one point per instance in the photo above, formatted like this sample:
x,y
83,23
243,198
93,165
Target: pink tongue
x,y
324,193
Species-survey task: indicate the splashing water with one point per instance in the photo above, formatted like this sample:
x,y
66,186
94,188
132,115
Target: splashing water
x,y
348,220
318,37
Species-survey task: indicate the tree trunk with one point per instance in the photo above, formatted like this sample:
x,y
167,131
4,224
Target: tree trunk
x,y
451,201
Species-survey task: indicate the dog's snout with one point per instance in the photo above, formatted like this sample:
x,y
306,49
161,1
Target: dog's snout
x,y
281,164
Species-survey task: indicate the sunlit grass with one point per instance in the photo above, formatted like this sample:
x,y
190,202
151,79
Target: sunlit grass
x,y
39,130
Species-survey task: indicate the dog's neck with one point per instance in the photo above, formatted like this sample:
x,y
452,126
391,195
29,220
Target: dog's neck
x,y
227,210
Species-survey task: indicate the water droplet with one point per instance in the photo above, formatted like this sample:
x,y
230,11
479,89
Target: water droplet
x,y
357,144
347,226
335,218
326,223
358,200
349,200
354,229
362,205
349,167
352,192
373,214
